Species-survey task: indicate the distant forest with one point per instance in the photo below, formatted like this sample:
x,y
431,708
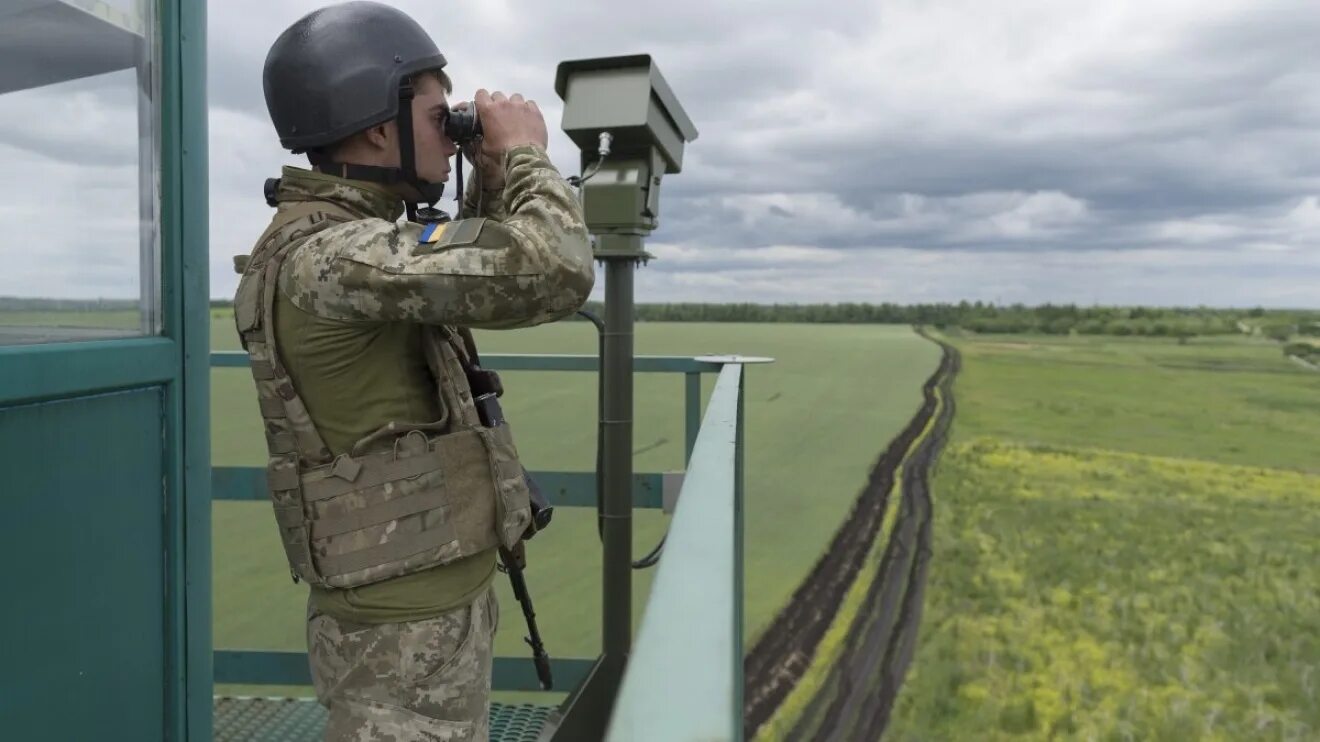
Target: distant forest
x,y
983,318
978,317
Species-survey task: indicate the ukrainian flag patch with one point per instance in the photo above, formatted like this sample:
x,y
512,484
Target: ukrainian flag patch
x,y
432,233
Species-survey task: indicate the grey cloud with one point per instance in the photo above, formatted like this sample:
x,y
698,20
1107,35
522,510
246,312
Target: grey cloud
x,y
89,122
1182,277
1027,150
1168,134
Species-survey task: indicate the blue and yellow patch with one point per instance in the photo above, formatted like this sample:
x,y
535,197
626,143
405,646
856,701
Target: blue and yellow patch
x,y
432,233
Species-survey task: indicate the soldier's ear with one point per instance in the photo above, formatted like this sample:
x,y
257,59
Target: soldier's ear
x,y
381,137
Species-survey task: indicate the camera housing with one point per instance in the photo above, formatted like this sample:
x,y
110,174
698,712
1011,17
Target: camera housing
x,y
628,98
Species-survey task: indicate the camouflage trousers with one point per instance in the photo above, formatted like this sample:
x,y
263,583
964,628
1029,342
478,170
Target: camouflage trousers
x,y
418,680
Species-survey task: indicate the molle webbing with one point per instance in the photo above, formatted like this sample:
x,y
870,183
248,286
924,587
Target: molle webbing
x,y
392,551
408,496
376,469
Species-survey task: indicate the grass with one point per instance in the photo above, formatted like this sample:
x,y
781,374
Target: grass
x,y
109,319
816,420
1232,400
1166,588
1101,595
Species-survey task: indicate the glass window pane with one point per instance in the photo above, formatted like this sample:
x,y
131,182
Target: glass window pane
x,y
79,213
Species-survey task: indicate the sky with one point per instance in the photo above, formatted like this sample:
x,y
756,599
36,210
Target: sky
x,y
1157,152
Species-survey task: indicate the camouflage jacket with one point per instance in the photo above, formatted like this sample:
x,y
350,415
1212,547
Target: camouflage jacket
x,y
532,266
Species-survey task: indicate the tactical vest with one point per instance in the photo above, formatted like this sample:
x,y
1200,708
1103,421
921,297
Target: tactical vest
x,y
407,497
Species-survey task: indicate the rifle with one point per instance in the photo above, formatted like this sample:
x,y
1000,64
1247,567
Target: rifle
x,y
514,561
486,391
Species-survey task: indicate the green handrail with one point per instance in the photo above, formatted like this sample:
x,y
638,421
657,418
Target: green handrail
x,y
684,678
538,362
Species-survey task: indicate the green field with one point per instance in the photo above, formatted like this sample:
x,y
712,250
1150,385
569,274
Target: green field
x,y
1230,399
816,420
1125,546
109,319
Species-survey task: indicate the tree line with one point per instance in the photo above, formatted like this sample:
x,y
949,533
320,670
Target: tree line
x,y
989,318
978,317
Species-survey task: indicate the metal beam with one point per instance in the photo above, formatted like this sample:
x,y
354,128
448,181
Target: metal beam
x,y
689,646
568,489
43,42
534,362
62,369
258,667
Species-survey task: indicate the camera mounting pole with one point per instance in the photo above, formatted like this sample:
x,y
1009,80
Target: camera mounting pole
x,y
631,129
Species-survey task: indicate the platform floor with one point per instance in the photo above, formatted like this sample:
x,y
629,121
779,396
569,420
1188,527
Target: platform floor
x,y
302,720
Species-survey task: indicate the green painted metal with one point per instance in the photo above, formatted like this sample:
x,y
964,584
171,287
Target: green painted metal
x,y
584,714
739,506
568,489
303,720
688,653
617,418
692,412
537,362
124,532
262,667
30,373
185,292
88,623
590,702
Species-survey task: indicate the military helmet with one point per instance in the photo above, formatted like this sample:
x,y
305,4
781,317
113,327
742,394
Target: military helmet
x,y
337,71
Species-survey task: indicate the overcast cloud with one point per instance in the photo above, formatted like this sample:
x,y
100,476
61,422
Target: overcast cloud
x,y
1162,152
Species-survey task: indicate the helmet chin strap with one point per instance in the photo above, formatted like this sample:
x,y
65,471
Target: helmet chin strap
x,y
430,193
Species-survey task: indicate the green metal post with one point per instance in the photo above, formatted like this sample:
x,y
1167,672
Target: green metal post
x,y
692,404
185,317
616,619
194,199
586,713
739,459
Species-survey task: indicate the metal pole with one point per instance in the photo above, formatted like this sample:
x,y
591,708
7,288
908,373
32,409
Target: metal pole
x,y
616,619
585,714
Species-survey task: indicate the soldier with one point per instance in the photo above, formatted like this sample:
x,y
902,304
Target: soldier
x,y
391,493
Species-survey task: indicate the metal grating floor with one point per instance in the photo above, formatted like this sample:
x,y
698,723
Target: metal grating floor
x,y
303,719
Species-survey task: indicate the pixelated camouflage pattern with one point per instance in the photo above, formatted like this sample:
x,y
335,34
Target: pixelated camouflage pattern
x,y
334,249
425,680
480,201
353,199
533,267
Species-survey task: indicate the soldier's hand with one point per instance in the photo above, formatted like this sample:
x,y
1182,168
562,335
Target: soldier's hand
x,y
508,122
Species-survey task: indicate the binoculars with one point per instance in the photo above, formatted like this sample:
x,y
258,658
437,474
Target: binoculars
x,y
463,126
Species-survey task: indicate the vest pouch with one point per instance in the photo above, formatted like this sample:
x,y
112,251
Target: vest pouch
x,y
394,512
297,549
513,499
286,501
247,302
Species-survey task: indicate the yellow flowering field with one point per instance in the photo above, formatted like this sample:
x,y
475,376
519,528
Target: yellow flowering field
x,y
1087,594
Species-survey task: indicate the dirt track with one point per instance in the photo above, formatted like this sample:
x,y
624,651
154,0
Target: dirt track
x,y
855,700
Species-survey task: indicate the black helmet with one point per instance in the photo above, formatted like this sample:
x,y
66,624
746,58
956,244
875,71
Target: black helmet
x,y
337,71
344,69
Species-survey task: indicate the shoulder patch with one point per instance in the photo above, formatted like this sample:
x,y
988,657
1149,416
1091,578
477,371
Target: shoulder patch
x,y
432,233
461,232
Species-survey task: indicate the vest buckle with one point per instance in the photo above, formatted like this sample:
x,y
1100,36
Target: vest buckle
x,y
345,468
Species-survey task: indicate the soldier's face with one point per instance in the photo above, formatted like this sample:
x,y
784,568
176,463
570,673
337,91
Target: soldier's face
x,y
433,148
